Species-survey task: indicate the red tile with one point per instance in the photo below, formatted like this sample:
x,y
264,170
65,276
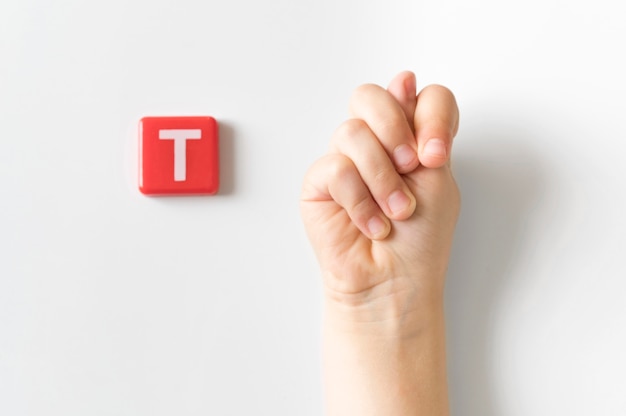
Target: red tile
x,y
178,156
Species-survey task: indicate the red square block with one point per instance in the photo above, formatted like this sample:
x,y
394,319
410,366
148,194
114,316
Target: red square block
x,y
178,156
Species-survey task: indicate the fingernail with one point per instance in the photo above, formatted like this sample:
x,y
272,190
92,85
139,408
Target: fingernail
x,y
398,202
404,155
435,147
376,226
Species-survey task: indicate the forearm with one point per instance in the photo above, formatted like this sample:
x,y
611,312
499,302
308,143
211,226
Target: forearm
x,y
392,367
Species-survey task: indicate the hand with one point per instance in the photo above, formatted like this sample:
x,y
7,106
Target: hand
x,y
380,208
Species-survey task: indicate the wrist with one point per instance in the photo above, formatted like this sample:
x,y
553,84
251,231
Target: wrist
x,y
377,366
399,307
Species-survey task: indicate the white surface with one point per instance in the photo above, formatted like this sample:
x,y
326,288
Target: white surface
x,y
112,303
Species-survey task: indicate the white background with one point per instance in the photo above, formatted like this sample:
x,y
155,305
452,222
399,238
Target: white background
x,y
113,303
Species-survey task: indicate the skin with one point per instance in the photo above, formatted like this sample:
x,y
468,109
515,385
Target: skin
x,y
380,210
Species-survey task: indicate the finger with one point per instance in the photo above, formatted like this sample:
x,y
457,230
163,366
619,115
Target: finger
x,y
335,178
403,88
355,140
436,124
386,118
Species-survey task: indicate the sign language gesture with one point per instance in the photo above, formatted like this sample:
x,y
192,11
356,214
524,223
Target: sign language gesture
x,y
381,206
380,210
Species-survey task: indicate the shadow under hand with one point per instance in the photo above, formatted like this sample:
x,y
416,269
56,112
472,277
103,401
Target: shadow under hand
x,y
500,181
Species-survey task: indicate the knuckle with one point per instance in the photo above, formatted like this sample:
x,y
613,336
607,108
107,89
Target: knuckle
x,y
365,91
390,125
340,168
384,178
363,96
350,129
362,207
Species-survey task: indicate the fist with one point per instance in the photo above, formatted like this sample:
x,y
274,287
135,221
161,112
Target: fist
x,y
380,207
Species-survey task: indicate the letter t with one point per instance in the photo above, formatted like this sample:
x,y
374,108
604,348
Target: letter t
x,y
180,138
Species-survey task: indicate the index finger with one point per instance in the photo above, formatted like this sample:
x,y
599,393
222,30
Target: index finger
x,y
386,118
